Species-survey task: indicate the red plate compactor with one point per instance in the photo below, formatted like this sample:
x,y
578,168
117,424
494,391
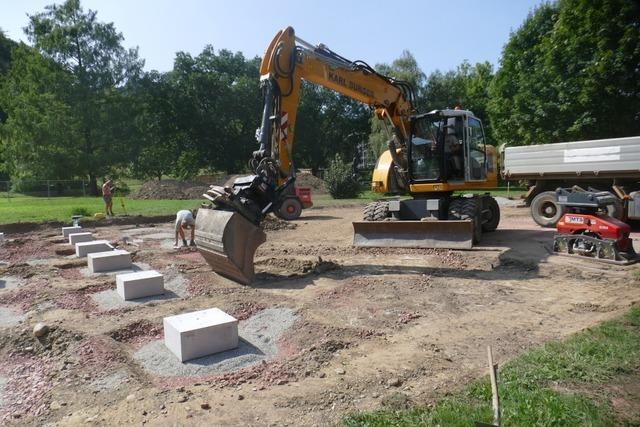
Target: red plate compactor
x,y
586,230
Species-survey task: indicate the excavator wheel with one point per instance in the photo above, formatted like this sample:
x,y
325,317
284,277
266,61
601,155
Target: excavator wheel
x,y
492,215
376,211
462,208
289,209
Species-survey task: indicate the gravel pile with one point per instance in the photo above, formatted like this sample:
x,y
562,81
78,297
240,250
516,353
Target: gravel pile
x,y
258,341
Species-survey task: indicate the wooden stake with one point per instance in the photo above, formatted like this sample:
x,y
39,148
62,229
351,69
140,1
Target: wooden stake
x,y
493,374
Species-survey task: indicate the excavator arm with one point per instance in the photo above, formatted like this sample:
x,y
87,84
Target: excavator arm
x,y
238,210
289,60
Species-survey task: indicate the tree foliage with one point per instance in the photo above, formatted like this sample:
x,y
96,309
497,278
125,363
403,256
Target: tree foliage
x,y
570,72
76,104
341,180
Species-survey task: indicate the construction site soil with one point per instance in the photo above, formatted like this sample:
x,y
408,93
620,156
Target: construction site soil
x,y
326,329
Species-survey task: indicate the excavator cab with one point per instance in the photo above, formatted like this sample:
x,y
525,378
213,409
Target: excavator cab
x,y
447,146
446,153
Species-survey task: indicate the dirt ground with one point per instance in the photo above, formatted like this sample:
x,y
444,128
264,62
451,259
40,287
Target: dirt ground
x,y
327,329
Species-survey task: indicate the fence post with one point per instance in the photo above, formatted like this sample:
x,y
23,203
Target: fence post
x,y
48,190
84,193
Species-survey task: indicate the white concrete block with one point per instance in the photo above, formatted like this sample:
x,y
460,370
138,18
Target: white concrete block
x,y
84,248
200,333
139,285
1,237
69,230
108,261
80,237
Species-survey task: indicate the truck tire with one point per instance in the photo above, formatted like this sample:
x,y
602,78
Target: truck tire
x,y
492,216
545,209
461,208
376,211
289,209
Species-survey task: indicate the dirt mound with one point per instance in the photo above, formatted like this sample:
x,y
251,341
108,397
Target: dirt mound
x,y
273,223
292,267
170,189
317,185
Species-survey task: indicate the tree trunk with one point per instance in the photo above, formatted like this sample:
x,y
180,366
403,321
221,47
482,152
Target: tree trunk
x,y
93,185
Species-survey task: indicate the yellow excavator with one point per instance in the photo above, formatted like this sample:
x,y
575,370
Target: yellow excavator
x,y
430,156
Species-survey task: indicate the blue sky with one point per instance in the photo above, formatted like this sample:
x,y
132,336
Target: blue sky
x,y
439,34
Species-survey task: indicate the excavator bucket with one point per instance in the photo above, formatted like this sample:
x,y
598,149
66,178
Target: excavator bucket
x,y
228,242
414,234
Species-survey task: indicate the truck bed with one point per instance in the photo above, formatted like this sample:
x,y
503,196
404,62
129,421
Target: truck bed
x,y
601,158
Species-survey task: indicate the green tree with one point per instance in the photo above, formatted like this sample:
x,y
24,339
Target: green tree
x,y
403,68
570,72
41,133
328,123
467,86
92,54
217,109
6,45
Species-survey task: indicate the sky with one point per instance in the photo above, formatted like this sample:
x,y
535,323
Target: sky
x,y
439,34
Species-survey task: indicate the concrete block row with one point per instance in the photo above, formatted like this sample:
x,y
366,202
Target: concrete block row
x,y
71,229
85,248
80,237
200,333
139,285
112,260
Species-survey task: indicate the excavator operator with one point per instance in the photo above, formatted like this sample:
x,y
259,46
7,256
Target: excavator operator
x,y
453,153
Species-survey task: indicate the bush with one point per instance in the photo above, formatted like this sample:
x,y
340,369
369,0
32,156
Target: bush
x,y
340,179
80,211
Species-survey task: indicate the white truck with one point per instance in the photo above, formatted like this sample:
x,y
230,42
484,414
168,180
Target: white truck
x,y
605,164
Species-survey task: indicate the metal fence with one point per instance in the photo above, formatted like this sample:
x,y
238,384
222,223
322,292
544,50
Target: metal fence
x,y
44,188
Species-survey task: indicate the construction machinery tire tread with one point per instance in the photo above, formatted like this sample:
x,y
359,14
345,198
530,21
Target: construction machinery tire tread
x,y
467,208
376,211
494,220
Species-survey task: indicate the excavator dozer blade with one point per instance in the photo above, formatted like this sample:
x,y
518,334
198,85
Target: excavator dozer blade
x,y
414,234
228,242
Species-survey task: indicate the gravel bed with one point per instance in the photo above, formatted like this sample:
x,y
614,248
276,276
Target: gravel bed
x,y
258,341
110,382
10,282
140,266
3,385
10,317
174,285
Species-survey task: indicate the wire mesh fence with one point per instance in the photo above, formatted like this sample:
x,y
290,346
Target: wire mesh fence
x,y
43,188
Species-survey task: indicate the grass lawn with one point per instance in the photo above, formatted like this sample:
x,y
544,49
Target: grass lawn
x,y
21,208
36,209
564,383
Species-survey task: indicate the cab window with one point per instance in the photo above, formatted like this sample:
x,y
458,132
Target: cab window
x,y
477,150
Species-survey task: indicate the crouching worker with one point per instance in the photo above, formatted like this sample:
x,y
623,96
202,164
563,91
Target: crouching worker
x,y
185,221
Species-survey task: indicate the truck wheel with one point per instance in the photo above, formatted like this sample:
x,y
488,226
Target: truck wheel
x,y
491,215
545,209
462,208
376,211
289,209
